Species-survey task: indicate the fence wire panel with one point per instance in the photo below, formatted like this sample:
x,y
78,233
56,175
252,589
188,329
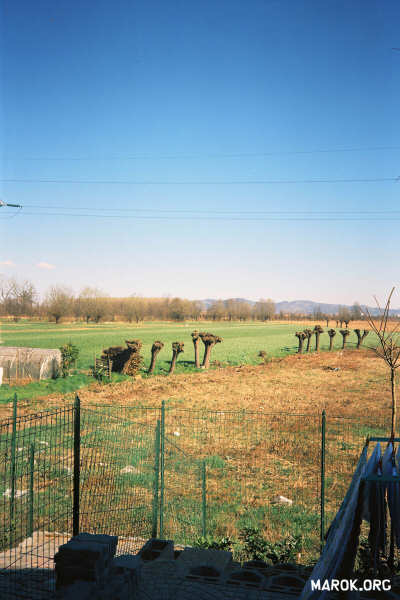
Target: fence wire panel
x,y
345,438
170,472
36,463
117,474
261,470
180,512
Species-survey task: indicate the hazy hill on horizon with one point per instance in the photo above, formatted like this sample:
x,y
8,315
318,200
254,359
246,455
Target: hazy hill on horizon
x,y
302,306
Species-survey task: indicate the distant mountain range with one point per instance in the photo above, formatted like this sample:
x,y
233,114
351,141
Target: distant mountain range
x,y
304,307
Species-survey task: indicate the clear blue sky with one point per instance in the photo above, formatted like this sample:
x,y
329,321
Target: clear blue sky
x,y
167,92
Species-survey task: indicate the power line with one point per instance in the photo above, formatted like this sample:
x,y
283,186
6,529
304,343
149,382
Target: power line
x,y
210,218
220,212
205,155
227,182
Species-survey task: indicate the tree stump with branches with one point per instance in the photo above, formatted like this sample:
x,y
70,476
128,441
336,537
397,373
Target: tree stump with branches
x,y
301,336
177,348
125,360
196,341
155,350
317,331
360,337
331,333
135,360
209,340
308,333
344,333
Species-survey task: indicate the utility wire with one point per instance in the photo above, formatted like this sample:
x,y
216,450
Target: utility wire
x,y
210,218
218,212
228,182
205,155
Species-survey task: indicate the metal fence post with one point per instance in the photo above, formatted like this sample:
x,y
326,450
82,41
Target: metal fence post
x,y
77,461
156,479
323,441
162,468
204,497
13,466
31,481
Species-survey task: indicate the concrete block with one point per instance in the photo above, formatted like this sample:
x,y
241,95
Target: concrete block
x,y
155,548
247,578
197,557
109,541
85,557
81,590
289,583
129,566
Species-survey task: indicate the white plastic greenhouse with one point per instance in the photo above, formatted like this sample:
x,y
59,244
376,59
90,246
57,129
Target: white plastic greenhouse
x,y
29,363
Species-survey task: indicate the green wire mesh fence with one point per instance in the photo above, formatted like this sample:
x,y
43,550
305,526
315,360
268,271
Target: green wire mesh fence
x,y
36,468
165,472
117,473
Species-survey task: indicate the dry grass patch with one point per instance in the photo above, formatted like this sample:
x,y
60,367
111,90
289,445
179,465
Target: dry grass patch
x,y
296,384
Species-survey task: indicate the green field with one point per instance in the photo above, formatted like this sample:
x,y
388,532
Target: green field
x,y
249,458
241,345
241,342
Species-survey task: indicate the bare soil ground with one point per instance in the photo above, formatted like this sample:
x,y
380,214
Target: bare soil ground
x,y
344,383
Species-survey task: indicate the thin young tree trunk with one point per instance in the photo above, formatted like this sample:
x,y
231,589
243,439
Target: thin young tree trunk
x,y
394,407
308,343
330,343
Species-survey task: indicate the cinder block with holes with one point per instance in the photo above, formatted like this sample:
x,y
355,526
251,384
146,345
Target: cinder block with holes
x,y
245,577
155,548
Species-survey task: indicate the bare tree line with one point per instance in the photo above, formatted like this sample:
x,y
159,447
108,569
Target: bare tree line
x,y
92,305
21,300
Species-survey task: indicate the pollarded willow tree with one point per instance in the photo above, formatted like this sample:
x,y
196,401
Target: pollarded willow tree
x,y
360,336
388,349
317,331
177,348
308,333
209,340
344,333
196,341
155,350
301,336
331,333
135,360
125,360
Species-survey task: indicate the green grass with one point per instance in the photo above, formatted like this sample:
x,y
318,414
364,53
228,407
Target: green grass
x,y
46,387
241,341
241,344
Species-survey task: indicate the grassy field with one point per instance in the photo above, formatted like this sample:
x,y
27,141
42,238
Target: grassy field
x,y
257,426
241,342
241,345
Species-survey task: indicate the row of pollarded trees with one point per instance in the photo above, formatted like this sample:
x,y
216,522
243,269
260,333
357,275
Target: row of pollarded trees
x,y
308,334
209,340
128,360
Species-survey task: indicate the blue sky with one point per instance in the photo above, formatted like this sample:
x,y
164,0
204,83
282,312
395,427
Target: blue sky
x,y
199,100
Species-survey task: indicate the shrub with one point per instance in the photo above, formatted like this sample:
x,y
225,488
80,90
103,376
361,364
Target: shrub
x,y
224,543
69,356
100,373
252,545
256,547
